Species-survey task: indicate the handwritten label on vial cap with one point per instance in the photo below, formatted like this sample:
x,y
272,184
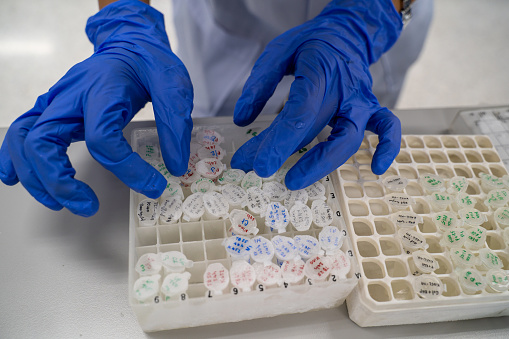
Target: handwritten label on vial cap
x,y
316,191
211,151
463,258
457,185
322,213
293,271
432,183
281,173
175,261
237,246
175,284
428,286
424,262
209,137
243,223
276,217
216,278
307,246
146,288
235,195
148,264
210,168
216,205
190,176
161,167
489,181
285,248
340,264
331,239
192,207
399,201
472,216
262,250
232,176
294,196
497,198
148,212
193,156
445,220
173,189
412,240
489,260
203,185
498,280
275,190
251,179
471,280
242,275
171,210
301,216
317,267
395,183
257,201
150,152
406,219
501,216
465,200
454,237
268,275
475,238
439,200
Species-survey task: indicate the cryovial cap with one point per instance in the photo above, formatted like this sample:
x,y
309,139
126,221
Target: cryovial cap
x,y
307,246
281,173
175,284
463,258
171,210
395,183
276,217
268,275
146,288
193,208
216,205
498,280
406,219
301,216
175,261
475,238
497,198
316,191
322,213
275,190
490,182
149,151
161,167
457,185
445,220
285,248
424,262
210,168
399,201
439,201
331,239
294,196
340,264
173,189
262,250
501,216
238,247
257,201
432,183
471,216
148,212
216,278
232,176
412,240
465,200
203,185
489,260
428,286
235,195
242,275
148,264
453,238
211,151
190,176
471,280
251,179
293,271
209,137
317,267
193,156
243,223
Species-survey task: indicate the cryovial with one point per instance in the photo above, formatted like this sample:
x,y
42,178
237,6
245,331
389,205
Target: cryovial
x,y
275,190
146,288
395,183
268,275
307,246
463,258
497,198
257,201
471,216
316,191
190,176
232,176
276,217
406,219
424,262
148,264
453,238
211,151
331,239
292,271
463,200
175,262
235,195
243,223
281,173
301,216
173,189
490,182
399,201
161,167
317,268
216,278
171,210
148,212
203,185
432,183
210,168
208,137
294,196
340,265
497,280
501,217
216,206
242,276
193,156
412,240
475,238
238,247
193,207
262,250
322,213
471,280
446,220
285,249
439,201
251,179
457,185
428,286
175,284
488,260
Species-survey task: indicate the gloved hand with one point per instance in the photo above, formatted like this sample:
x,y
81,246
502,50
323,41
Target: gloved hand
x,y
94,101
330,57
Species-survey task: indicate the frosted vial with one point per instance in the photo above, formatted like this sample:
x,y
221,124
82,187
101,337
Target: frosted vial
x,y
331,239
294,196
285,249
268,275
316,191
251,179
281,173
293,271
399,201
211,151
173,189
463,258
146,288
446,220
497,280
203,185
276,217
340,265
428,286
471,217
232,176
242,275
148,264
235,195
501,217
412,240
148,212
171,210
216,278
439,201
175,262
193,156
243,223
497,198
175,284
193,208
262,250
395,183
432,183
257,201
150,152
488,260
216,206
453,238
406,219
190,176
471,280
457,185
476,238
238,247
463,200
275,190
317,268
210,168
322,213
209,137
307,246
490,182
161,167
301,216
424,262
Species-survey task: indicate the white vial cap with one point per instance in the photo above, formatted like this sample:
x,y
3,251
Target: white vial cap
x,y
489,260
340,264
395,183
216,205
497,198
317,268
453,238
173,189
243,223
285,248
498,280
307,246
472,216
193,156
457,185
424,262
210,168
175,261
432,183
293,271
471,280
193,207
242,275
428,286
238,246
412,240
399,201
465,200
439,201
501,216
232,176
148,264
281,173
216,278
161,167
148,212
445,220
209,137
211,151
331,239
203,185
463,258
294,196
257,201
146,288
175,284
475,238
275,190
190,176
489,181
301,216
235,195
150,152
316,191
406,219
251,179
171,210
262,250
268,275
276,217
322,213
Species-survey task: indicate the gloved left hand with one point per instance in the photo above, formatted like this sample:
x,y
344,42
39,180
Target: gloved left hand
x,y
330,57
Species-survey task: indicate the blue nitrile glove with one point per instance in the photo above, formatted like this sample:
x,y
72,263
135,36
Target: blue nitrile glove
x,y
94,101
330,57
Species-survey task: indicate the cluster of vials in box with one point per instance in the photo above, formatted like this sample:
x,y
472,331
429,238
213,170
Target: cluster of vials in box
x,y
211,191
477,267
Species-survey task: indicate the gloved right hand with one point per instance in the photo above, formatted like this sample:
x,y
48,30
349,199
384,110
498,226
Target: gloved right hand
x,y
132,64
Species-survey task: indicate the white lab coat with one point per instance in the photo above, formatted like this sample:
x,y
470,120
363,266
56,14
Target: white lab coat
x,y
220,40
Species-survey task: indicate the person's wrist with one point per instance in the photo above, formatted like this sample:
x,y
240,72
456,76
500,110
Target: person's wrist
x,y
104,3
